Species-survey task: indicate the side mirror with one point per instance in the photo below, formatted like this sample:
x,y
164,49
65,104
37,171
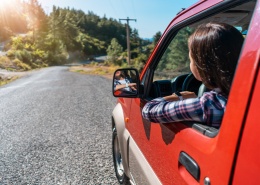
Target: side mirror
x,y
126,83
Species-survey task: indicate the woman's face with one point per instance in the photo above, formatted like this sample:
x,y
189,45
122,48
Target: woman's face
x,y
118,75
194,68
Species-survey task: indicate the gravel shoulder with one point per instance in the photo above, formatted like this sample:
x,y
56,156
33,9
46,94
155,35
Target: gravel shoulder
x,y
5,74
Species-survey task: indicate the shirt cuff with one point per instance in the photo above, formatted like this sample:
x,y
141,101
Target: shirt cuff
x,y
159,99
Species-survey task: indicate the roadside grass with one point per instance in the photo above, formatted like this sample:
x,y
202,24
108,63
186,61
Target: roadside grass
x,y
93,69
11,66
99,69
7,80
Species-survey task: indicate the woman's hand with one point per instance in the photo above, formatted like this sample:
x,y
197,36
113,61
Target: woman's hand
x,y
132,86
188,94
184,94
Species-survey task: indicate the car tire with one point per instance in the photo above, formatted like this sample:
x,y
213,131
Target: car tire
x,y
117,158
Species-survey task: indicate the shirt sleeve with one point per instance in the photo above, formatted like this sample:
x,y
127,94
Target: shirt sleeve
x,y
208,109
161,111
213,106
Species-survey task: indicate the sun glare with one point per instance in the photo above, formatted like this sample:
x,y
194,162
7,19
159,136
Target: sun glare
x,y
5,5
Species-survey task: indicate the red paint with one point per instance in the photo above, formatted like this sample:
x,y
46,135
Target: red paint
x,y
233,155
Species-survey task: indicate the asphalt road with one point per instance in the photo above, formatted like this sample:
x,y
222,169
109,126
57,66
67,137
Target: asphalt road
x,y
55,128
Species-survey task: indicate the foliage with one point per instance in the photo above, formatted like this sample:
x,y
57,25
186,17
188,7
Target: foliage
x,y
175,57
19,65
15,65
24,50
114,51
55,39
157,37
4,81
5,62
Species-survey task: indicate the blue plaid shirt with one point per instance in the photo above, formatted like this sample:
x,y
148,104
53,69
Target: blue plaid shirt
x,y
121,82
208,109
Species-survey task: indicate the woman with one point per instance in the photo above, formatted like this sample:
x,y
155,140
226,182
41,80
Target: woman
x,y
214,50
121,82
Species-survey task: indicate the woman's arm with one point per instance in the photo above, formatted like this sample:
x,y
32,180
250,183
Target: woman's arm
x,y
184,94
121,86
161,111
166,110
208,109
132,86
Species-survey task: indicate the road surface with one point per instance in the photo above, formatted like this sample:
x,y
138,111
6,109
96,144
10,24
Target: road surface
x,y
55,128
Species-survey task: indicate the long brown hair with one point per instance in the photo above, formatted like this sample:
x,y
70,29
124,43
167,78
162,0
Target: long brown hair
x,y
215,49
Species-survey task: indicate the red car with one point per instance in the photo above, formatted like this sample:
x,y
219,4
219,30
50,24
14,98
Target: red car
x,y
191,153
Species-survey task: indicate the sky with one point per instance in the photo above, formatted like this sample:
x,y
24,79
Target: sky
x,y
151,15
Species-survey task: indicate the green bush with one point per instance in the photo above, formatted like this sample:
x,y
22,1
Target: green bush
x,y
55,59
14,65
21,66
5,62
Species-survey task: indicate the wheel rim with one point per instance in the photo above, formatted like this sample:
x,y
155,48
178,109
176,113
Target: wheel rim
x,y
118,158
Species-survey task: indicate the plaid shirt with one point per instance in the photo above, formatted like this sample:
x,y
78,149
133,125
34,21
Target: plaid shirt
x,y
208,109
121,82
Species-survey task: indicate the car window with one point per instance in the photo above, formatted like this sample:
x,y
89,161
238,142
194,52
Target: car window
x,y
175,60
173,68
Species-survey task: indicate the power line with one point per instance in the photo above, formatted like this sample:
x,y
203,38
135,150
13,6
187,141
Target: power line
x,y
111,4
133,6
124,8
128,38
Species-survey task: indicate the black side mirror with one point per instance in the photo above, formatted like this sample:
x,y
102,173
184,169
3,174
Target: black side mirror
x,y
126,83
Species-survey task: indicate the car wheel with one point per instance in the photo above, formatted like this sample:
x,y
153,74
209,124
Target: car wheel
x,y
117,158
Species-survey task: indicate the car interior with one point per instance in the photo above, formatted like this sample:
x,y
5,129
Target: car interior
x,y
239,17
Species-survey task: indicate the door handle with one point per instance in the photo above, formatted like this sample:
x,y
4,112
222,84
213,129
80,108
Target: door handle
x,y
191,166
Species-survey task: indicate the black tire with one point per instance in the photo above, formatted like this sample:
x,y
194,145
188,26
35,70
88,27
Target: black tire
x,y
117,158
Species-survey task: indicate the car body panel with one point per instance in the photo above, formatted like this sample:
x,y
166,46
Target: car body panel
x,y
247,167
142,173
130,150
123,135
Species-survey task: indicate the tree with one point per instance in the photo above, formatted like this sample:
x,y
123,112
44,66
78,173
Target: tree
x,y
175,57
156,37
114,50
36,17
66,32
91,46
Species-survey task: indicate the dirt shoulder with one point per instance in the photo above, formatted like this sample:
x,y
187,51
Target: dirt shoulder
x,y
106,71
4,74
101,70
9,76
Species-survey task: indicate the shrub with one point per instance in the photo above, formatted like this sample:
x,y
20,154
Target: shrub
x,y
5,62
21,66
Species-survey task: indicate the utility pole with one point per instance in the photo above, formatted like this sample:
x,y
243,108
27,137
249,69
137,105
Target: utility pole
x,y
128,38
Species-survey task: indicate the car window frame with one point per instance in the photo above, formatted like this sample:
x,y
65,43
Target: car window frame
x,y
171,33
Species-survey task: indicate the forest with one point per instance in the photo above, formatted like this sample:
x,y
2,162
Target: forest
x,y
33,39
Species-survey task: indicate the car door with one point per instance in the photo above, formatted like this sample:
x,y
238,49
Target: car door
x,y
247,165
177,153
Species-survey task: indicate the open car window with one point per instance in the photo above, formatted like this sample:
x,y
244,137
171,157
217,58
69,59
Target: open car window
x,y
172,72
173,69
